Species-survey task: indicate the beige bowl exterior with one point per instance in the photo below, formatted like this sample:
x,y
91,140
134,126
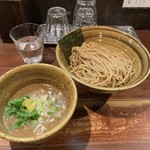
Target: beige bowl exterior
x,y
120,41
23,75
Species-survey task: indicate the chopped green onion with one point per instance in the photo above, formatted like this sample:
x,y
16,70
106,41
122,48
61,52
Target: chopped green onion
x,y
53,110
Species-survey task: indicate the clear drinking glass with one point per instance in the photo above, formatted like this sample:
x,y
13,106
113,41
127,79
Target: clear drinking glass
x,y
56,24
85,13
28,38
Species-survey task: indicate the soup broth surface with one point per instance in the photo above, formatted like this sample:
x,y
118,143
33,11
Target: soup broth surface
x,y
50,105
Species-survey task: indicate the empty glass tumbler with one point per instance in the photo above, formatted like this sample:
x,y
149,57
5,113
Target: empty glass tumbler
x,y
56,24
85,13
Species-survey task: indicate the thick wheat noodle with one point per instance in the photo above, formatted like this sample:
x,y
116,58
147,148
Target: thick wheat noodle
x,y
96,65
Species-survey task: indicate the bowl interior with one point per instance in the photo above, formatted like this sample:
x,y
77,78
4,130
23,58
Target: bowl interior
x,y
21,76
112,39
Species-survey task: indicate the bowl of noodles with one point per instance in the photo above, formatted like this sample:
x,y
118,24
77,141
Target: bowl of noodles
x,y
103,59
36,101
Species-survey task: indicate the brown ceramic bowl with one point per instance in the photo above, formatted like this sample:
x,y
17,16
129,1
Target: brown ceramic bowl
x,y
23,75
112,38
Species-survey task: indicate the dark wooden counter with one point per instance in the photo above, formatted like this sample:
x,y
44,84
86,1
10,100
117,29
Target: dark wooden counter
x,y
116,121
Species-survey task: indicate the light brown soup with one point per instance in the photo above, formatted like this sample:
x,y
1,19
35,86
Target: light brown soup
x,y
49,121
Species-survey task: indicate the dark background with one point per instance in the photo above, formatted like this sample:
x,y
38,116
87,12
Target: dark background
x,y
110,12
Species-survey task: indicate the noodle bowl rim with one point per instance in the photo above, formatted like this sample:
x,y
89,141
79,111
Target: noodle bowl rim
x,y
59,56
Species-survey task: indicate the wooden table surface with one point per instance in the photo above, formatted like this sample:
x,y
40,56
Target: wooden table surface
x,y
117,121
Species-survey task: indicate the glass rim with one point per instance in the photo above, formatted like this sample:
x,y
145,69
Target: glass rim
x,y
24,24
86,2
56,9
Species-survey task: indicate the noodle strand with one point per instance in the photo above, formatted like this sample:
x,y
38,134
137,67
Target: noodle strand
x,y
96,65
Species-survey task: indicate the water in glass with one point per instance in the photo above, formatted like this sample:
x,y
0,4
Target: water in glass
x,y
30,49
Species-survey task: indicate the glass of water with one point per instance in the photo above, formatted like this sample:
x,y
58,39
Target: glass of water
x,y
28,38
56,24
85,13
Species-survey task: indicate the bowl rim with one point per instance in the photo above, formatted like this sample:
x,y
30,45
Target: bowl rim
x,y
100,88
57,128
